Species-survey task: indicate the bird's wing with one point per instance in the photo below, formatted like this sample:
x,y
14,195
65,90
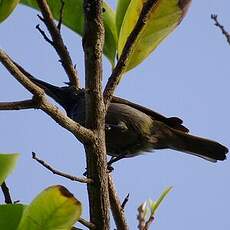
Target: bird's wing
x,y
173,122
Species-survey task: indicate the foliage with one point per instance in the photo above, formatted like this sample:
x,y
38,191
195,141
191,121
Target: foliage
x,y
164,18
148,209
73,18
54,208
6,7
7,165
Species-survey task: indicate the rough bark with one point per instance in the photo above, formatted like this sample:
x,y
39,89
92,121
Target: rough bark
x,y
93,41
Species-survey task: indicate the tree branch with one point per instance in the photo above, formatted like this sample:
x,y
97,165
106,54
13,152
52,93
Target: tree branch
x,y
224,32
6,193
83,134
87,224
70,177
93,42
120,67
59,173
58,43
19,105
116,207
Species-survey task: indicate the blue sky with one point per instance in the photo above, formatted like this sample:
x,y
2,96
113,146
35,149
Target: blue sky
x,y
187,76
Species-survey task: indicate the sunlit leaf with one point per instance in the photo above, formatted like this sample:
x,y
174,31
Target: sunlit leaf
x,y
7,165
6,8
164,18
54,208
155,204
73,18
122,6
10,215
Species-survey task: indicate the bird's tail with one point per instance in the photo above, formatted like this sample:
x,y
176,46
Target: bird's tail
x,y
201,147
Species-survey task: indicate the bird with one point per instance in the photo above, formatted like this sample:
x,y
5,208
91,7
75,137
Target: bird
x,y
132,129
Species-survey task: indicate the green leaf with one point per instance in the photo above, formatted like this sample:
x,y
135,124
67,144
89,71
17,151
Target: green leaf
x,y
73,18
6,8
54,208
164,18
10,215
110,46
122,6
156,204
7,165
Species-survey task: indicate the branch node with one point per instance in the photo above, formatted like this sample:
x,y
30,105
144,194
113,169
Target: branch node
x,y
57,41
120,67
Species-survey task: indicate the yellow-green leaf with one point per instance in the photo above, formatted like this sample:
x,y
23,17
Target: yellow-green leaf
x,y
164,18
53,209
122,6
73,18
156,204
6,7
7,165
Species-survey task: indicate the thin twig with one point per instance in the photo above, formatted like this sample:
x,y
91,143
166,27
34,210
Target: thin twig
x,y
58,43
61,15
125,202
6,193
83,134
116,75
86,223
225,33
18,105
42,32
59,173
116,207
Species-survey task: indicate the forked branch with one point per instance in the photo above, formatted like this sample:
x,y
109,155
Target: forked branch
x,y
120,67
83,134
57,41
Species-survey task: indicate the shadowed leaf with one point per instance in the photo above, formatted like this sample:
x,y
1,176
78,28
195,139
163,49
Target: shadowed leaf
x,y
10,215
6,8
